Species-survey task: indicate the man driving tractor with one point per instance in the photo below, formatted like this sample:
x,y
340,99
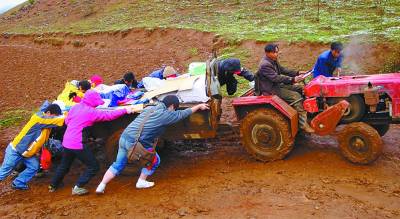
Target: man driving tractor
x,y
273,79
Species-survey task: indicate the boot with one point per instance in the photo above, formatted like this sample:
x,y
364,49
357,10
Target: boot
x,y
304,124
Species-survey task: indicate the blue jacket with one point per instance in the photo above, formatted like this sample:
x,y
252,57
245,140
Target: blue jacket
x,y
155,124
155,74
326,64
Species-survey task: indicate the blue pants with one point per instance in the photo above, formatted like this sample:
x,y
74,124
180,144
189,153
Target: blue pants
x,y
11,159
122,158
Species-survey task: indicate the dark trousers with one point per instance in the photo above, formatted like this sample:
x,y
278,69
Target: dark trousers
x,y
290,94
69,155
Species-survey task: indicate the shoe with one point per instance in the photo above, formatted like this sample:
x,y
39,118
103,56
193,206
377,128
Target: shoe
x,y
307,128
14,174
25,187
53,188
101,188
79,191
304,124
143,184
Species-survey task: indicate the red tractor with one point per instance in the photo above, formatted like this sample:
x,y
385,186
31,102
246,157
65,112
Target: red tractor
x,y
365,104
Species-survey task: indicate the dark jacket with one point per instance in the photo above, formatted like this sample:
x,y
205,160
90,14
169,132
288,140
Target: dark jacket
x,y
133,85
271,74
226,69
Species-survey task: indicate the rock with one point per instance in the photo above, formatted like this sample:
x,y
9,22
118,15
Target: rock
x,y
311,196
183,211
65,213
119,212
326,181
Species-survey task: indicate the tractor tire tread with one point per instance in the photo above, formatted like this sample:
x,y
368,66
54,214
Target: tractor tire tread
x,y
375,142
280,121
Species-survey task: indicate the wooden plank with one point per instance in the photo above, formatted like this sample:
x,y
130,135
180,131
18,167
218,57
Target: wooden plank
x,y
178,84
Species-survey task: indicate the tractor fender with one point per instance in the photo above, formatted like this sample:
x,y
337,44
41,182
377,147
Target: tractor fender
x,y
244,105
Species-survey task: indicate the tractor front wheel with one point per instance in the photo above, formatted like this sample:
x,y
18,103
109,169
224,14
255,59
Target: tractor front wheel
x,y
265,134
360,143
355,112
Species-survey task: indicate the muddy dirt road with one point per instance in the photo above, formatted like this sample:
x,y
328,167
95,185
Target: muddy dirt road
x,y
224,182
214,179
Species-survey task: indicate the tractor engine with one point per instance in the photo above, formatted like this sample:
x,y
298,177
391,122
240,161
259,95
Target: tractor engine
x,y
371,96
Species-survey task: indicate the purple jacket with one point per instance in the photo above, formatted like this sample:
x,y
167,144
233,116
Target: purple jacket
x,y
83,115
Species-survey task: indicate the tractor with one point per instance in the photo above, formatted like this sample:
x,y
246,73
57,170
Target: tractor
x,y
364,105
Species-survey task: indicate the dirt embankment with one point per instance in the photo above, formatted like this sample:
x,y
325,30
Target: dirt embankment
x,y
36,67
219,181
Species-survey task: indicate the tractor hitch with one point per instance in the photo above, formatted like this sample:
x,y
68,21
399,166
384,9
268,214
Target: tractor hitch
x,y
325,122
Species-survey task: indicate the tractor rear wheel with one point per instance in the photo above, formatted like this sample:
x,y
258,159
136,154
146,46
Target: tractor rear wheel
x,y
381,129
265,134
360,143
356,110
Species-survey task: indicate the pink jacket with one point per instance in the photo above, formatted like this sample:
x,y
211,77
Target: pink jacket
x,y
83,115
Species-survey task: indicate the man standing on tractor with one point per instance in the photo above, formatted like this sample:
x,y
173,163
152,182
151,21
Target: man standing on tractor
x,y
227,68
273,79
329,61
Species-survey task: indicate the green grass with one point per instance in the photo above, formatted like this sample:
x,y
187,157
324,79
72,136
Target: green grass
x,y
13,117
234,51
296,20
193,52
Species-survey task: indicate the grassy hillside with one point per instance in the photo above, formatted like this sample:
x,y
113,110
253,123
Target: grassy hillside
x,y
298,20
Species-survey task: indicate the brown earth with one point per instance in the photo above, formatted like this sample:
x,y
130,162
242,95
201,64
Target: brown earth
x,y
217,179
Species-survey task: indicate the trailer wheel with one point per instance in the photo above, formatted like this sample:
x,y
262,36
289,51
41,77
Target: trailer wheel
x,y
381,129
356,110
265,134
360,143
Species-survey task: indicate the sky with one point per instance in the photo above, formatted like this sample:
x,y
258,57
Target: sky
x,y
5,5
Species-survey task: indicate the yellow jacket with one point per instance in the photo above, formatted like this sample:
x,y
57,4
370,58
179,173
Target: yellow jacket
x,y
64,95
35,146
34,131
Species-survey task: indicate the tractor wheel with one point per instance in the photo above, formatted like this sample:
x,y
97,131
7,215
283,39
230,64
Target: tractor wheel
x,y
381,129
265,134
356,110
360,143
111,146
